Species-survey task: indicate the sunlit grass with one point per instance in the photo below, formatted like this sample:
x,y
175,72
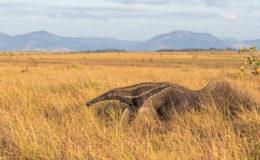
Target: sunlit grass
x,y
42,112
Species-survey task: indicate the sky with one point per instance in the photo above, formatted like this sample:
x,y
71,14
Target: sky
x,y
136,20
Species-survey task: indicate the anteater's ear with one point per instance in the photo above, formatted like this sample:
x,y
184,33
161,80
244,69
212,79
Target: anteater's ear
x,y
139,100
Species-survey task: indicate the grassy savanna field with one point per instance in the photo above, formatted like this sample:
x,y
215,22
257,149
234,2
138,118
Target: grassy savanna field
x,y
43,116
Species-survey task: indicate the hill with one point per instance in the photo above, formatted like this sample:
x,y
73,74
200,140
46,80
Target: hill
x,y
182,40
177,40
42,40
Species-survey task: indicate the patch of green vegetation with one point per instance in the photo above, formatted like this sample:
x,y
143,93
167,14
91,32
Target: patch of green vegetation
x,y
252,64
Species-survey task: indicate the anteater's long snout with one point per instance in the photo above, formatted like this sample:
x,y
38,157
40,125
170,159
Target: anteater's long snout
x,y
93,101
89,103
102,97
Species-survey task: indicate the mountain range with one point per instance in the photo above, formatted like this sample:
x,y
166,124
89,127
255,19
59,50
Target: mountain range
x,y
45,41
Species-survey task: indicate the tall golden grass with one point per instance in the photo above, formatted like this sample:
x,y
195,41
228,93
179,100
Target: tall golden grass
x,y
42,112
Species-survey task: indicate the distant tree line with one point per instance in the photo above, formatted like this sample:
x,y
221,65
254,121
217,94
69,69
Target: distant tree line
x,y
100,51
196,49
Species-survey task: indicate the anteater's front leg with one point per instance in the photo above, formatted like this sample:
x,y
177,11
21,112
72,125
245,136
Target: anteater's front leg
x,y
148,115
128,116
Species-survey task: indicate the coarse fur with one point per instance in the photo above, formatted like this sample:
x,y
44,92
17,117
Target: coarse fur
x,y
159,100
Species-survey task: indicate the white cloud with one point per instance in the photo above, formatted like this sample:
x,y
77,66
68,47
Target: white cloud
x,y
143,1
229,15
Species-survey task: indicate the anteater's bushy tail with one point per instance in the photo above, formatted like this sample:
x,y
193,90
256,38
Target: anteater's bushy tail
x,y
226,96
